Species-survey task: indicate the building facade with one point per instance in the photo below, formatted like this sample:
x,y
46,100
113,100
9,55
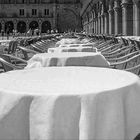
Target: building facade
x,y
22,15
111,17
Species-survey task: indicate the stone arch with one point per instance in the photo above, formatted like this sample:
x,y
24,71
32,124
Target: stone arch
x,y
95,12
33,25
67,20
9,26
21,27
46,25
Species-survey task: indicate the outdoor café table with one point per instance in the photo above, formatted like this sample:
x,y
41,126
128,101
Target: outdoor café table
x,y
72,49
69,103
68,59
71,41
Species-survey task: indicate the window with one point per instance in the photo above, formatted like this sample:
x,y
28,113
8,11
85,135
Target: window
x,y
21,12
34,12
46,12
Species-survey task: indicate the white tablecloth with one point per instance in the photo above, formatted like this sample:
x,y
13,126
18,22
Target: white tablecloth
x,y
68,59
71,41
69,103
72,49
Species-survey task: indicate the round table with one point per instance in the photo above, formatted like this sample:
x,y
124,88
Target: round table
x,y
68,59
69,103
71,41
72,49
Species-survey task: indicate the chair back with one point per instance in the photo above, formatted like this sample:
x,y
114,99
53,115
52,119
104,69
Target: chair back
x,y
124,41
137,44
5,66
12,47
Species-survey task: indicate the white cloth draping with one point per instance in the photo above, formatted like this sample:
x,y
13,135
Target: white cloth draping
x,y
72,49
77,45
67,41
68,59
69,103
71,41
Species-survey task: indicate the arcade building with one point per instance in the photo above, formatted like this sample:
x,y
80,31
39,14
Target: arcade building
x,y
111,17
22,15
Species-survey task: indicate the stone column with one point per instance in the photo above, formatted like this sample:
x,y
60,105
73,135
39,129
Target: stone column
x,y
127,12
99,24
111,20
96,31
27,25
40,24
102,24
136,29
106,19
94,25
3,25
91,27
118,17
102,17
88,28
15,24
54,16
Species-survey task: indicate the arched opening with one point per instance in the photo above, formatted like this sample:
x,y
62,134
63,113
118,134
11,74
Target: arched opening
x,y
46,25
9,26
66,20
33,25
21,27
